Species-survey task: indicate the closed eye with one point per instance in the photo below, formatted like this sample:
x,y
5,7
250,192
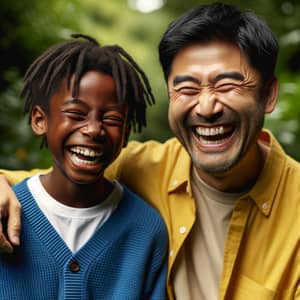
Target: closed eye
x,y
75,114
187,91
226,87
113,120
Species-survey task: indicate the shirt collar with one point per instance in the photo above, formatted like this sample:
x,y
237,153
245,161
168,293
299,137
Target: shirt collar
x,y
264,191
180,177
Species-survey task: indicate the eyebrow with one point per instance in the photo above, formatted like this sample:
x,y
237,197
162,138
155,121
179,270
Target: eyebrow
x,y
72,101
232,75
183,78
113,107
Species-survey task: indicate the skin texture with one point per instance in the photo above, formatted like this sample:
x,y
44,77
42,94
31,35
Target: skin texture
x,y
84,135
217,110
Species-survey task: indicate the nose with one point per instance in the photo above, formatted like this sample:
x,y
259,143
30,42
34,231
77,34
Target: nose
x,y
208,104
93,128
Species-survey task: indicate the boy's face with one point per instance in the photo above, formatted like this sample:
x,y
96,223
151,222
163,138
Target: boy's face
x,y
84,134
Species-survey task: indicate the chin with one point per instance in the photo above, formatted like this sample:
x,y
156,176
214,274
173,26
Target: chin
x,y
85,180
215,167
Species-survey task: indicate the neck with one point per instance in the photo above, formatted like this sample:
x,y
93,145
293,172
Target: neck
x,y
242,176
76,195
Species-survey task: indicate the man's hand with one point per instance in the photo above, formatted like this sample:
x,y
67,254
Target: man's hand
x,y
10,214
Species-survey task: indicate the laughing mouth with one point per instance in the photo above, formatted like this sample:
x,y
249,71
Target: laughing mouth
x,y
85,156
213,135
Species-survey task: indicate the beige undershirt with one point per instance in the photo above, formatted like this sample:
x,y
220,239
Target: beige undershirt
x,y
199,265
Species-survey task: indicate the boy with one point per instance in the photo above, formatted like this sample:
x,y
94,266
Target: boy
x,y
83,236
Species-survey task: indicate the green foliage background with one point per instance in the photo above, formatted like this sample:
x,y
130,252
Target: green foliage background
x,y
30,27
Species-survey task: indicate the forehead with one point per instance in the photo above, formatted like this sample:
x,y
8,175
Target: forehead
x,y
96,90
207,60
95,81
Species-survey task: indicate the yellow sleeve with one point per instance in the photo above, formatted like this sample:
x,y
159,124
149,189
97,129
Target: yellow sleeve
x,y
18,175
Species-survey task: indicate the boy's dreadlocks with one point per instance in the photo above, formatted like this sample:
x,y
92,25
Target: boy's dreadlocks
x,y
44,77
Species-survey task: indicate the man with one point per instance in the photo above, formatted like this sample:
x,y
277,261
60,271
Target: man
x,y
227,191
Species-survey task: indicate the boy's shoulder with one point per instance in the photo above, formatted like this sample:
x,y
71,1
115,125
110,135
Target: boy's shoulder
x,y
22,191
141,211
137,202
20,186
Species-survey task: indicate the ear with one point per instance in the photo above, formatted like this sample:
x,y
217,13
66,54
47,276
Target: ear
x,y
39,121
271,95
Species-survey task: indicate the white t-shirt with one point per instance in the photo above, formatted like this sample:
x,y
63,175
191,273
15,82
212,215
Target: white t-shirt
x,y
74,225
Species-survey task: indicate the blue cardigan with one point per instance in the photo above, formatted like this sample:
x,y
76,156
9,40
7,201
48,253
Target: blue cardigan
x,y
124,260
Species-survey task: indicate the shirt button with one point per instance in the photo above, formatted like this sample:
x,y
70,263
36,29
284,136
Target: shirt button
x,y
175,182
182,229
265,206
74,266
187,189
171,253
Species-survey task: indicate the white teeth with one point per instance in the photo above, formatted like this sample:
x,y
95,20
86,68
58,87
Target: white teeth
x,y
205,131
207,142
79,161
86,152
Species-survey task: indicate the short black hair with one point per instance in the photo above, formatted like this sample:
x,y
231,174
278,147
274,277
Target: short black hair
x,y
78,56
218,21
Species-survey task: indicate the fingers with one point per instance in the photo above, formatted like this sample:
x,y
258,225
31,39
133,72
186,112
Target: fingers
x,y
10,215
5,246
14,221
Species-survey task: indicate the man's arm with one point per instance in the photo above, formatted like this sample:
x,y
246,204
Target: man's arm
x,y
10,208
10,212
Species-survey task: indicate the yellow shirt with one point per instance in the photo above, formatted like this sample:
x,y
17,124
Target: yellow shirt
x,y
262,250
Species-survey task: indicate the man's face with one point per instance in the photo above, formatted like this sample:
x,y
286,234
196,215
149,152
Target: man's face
x,y
216,110
85,134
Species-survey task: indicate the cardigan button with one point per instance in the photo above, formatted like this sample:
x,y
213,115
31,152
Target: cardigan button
x,y
74,266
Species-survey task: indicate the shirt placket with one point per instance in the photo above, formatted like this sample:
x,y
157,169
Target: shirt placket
x,y
235,234
183,214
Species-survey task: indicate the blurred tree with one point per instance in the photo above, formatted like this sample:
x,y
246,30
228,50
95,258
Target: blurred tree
x,y
29,27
